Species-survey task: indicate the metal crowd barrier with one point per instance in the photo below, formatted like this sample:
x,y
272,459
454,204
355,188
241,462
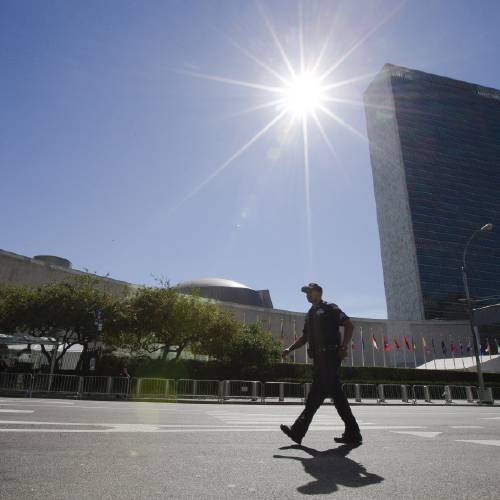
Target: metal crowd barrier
x,y
199,389
460,393
446,393
16,383
62,384
158,388
100,385
399,392
282,391
368,392
352,392
241,389
153,388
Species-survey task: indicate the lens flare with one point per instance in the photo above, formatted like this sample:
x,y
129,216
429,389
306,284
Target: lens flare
x,y
303,95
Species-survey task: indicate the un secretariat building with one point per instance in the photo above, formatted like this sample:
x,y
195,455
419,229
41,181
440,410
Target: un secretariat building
x,y
251,305
435,153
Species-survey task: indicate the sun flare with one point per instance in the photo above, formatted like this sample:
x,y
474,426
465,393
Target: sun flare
x,y
304,95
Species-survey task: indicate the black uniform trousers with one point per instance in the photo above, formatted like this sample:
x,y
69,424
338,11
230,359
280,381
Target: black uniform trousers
x,y
326,382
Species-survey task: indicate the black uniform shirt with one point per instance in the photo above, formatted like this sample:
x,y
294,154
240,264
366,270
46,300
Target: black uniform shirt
x,y
321,327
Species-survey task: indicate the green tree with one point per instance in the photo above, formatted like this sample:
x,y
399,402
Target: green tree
x,y
254,347
161,319
218,337
66,310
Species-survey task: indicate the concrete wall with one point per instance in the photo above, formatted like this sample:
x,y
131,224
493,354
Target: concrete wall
x,y
19,270
397,244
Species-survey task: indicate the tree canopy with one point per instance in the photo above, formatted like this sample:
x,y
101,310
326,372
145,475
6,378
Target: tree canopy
x,y
147,320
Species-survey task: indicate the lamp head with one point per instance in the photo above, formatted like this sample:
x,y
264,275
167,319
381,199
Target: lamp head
x,y
487,227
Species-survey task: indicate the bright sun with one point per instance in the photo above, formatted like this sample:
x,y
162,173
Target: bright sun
x,y
304,95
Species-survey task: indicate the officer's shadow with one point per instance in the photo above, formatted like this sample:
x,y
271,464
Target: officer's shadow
x,y
331,468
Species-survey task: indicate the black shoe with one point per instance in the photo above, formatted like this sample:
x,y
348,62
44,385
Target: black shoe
x,y
285,429
350,438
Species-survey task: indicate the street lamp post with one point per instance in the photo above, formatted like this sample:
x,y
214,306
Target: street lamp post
x,y
475,336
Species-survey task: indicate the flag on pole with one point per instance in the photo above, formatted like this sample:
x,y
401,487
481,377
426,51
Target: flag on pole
x,y
453,347
433,346
387,346
282,334
468,347
424,344
353,346
443,346
396,343
407,344
414,344
461,346
374,342
488,348
498,346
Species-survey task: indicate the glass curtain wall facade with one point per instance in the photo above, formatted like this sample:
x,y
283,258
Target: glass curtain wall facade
x,y
435,151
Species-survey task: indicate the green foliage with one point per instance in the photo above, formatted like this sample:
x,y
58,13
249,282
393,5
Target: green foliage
x,y
149,320
161,319
65,310
218,336
253,347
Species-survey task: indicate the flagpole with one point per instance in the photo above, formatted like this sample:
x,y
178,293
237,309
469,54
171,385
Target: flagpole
x,y
373,348
362,347
414,347
462,352
383,351
453,353
294,330
352,356
394,355
404,352
442,351
423,350
434,351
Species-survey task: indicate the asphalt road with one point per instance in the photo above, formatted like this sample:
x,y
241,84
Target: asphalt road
x,y
69,449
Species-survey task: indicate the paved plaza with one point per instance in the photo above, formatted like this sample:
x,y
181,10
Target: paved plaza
x,y
69,449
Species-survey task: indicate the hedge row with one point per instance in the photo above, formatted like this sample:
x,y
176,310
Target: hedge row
x,y
213,370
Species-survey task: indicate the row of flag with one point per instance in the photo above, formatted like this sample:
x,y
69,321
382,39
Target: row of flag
x,y
454,347
411,345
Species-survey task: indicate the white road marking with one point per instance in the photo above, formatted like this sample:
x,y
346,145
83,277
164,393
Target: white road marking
x,y
490,418
28,401
16,411
466,427
62,406
492,442
162,428
425,434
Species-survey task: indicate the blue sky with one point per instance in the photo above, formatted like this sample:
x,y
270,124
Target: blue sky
x,y
103,134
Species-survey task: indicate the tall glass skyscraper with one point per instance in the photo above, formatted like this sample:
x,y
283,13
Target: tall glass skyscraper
x,y
435,154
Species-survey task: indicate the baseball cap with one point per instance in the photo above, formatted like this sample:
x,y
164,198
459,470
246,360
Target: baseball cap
x,y
312,286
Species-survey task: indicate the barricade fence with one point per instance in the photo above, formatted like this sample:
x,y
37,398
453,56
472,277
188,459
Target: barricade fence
x,y
27,384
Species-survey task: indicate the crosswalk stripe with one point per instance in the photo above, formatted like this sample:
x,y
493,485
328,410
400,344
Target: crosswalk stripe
x,y
424,434
491,442
15,411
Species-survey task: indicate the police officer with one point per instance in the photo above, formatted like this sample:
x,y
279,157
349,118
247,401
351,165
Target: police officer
x,y
321,332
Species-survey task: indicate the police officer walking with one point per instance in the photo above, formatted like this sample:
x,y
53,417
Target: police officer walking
x,y
321,332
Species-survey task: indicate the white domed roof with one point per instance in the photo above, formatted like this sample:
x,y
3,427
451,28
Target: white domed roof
x,y
206,282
